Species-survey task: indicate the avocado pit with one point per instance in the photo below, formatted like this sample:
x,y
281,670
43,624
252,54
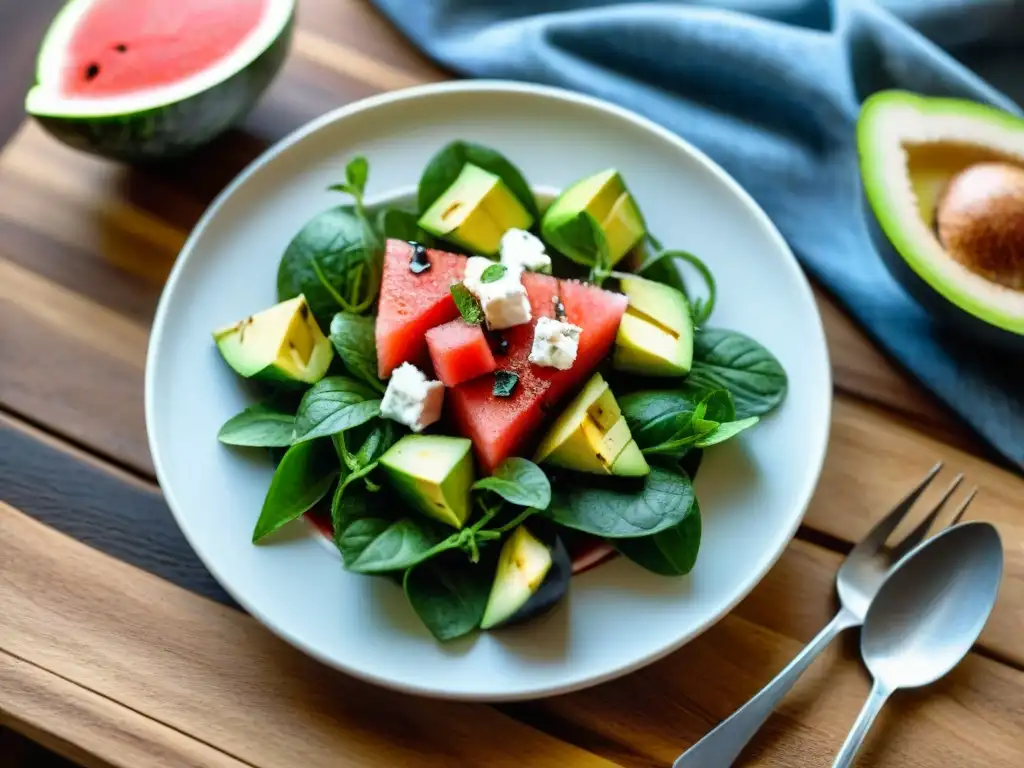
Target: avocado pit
x,y
979,220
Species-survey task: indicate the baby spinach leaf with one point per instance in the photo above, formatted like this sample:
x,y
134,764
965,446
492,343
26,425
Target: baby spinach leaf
x,y
303,477
666,267
384,545
730,360
493,273
619,508
656,416
504,383
673,552
467,304
725,431
332,405
449,594
259,425
518,481
446,165
335,260
353,339
394,223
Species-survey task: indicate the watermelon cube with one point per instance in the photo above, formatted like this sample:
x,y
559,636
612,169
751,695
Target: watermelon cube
x,y
459,352
411,303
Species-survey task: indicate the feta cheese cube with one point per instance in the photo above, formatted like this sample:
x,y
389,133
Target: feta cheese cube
x,y
555,344
504,301
411,399
523,250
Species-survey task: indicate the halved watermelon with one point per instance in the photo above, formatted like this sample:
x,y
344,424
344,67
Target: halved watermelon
x,y
459,352
505,426
145,79
412,303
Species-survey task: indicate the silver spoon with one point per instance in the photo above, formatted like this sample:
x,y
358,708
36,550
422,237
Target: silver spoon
x,y
926,617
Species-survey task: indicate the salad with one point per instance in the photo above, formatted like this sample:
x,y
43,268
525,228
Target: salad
x,y
479,393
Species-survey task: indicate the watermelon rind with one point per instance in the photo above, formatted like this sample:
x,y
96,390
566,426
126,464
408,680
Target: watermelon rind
x,y
163,122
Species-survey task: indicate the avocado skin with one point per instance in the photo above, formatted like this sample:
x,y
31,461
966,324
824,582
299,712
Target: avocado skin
x,y
555,584
962,323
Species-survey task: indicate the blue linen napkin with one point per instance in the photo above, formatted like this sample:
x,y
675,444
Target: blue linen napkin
x,y
770,89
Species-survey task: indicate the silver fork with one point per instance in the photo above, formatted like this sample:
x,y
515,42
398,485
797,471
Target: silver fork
x,y
857,581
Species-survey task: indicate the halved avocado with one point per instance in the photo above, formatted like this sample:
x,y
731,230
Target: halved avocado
x,y
944,182
532,576
655,336
433,473
605,197
475,211
591,435
282,344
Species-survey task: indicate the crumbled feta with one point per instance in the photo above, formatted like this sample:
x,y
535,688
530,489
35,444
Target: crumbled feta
x,y
411,399
504,301
524,250
555,343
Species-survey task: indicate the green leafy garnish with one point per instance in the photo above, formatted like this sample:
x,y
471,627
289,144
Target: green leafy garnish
x,y
332,405
504,383
467,304
353,339
673,552
518,481
259,425
730,360
493,273
303,477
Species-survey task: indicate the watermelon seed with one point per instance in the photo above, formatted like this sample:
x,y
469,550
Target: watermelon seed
x,y
121,48
91,71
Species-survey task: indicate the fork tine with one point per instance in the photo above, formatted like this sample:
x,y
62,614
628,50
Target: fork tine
x,y
963,507
917,535
876,537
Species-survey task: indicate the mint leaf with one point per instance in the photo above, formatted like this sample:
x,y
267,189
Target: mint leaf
x,y
504,383
356,173
493,273
468,306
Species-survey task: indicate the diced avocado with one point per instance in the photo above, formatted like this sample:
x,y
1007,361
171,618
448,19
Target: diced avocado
x,y
605,197
475,211
591,434
532,576
655,336
433,473
282,343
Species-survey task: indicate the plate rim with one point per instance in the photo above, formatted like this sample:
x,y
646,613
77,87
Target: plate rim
x,y
493,86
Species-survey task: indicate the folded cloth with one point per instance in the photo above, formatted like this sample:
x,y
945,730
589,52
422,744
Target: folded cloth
x,y
770,89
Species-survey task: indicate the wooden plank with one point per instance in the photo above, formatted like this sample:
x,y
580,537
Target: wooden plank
x,y
91,729
176,658
972,718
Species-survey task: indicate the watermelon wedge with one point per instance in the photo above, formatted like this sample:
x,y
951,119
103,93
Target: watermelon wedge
x,y
507,426
411,303
146,79
459,352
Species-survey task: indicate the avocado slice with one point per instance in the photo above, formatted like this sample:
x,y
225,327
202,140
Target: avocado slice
x,y
532,576
591,435
433,473
475,211
944,184
655,336
282,344
605,197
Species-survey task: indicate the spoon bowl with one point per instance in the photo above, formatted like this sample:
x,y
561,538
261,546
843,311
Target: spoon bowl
x,y
927,616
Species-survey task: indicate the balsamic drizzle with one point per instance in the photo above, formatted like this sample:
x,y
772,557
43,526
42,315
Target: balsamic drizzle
x,y
559,308
419,262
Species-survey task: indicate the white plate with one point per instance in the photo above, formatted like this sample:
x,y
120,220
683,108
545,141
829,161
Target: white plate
x,y
753,490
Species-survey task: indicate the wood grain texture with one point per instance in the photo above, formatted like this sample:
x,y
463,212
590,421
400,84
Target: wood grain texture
x,y
91,729
215,674
102,625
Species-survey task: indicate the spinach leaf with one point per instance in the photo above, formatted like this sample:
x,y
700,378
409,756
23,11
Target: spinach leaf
x,y
730,360
353,338
619,508
656,416
504,383
666,267
673,552
725,431
467,304
582,240
518,481
446,165
303,477
335,261
332,405
259,425
394,223
449,594
373,439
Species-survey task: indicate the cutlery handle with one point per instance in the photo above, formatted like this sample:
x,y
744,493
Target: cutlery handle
x,y
723,745
848,752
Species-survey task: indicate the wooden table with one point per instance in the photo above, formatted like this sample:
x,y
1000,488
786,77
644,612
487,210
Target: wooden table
x,y
117,648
